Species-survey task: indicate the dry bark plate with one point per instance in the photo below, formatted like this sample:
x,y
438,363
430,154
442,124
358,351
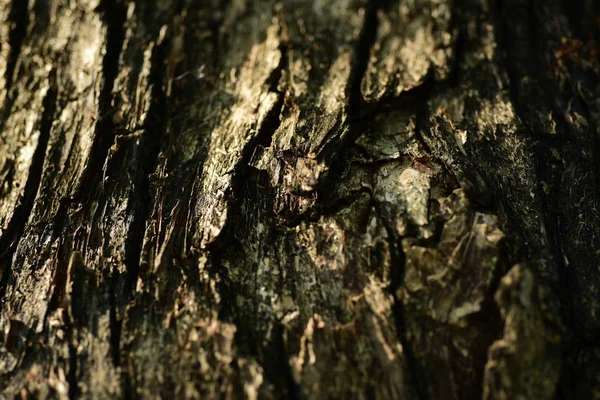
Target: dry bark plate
x,y
390,199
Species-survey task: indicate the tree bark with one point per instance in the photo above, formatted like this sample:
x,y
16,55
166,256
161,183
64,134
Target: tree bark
x,y
302,199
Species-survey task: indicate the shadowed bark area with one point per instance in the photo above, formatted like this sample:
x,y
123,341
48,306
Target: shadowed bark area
x,y
265,199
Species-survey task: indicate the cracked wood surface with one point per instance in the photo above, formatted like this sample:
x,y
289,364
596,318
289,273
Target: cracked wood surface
x,y
300,198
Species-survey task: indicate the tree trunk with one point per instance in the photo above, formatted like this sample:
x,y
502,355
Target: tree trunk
x,y
302,199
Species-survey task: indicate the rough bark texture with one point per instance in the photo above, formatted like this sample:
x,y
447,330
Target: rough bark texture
x,y
300,198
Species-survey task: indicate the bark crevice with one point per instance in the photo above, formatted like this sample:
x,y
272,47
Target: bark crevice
x,y
246,181
115,323
20,217
398,262
357,106
114,15
19,21
147,158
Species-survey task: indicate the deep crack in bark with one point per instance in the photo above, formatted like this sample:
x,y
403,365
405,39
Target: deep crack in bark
x,y
18,222
114,15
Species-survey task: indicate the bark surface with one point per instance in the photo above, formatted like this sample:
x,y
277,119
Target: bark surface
x,y
300,198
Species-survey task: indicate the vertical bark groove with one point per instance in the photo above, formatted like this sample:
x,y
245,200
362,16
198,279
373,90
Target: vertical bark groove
x,y
398,260
113,12
20,217
147,160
